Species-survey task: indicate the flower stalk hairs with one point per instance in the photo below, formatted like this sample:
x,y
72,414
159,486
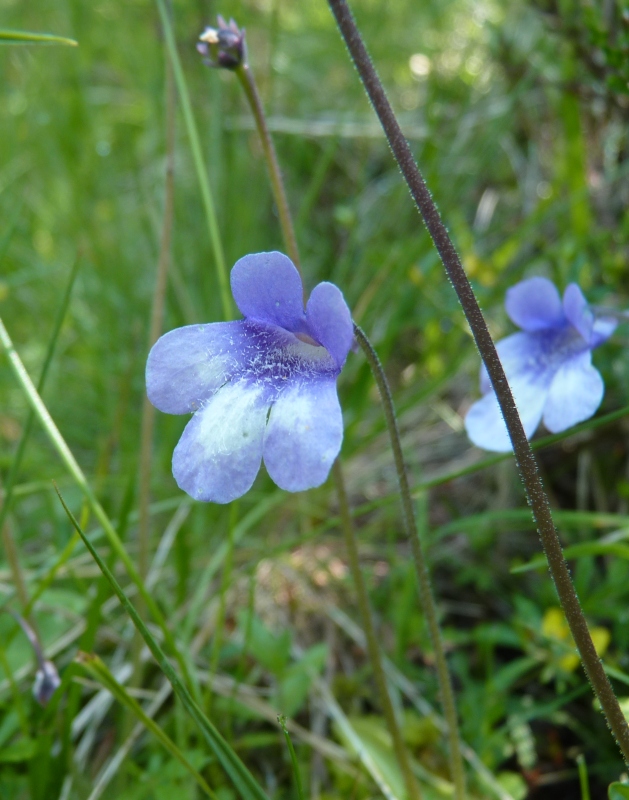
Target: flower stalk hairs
x,y
548,364
263,387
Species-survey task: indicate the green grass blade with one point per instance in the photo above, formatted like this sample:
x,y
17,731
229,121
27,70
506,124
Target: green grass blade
x,y
75,470
243,780
98,670
199,161
26,37
52,344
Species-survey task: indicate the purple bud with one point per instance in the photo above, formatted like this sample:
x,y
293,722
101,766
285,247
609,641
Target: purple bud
x,y
223,46
47,681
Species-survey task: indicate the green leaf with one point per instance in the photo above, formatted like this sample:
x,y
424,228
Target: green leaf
x,y
23,750
25,37
272,651
618,791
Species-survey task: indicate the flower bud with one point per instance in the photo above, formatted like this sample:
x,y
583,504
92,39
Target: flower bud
x,y
47,681
223,46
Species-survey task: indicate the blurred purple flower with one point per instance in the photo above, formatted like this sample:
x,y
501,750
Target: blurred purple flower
x,y
548,365
261,387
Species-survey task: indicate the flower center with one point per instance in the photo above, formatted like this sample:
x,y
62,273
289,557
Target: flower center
x,y
303,337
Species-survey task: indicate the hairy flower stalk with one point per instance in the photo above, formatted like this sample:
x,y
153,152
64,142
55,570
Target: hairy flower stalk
x,y
525,459
225,46
421,567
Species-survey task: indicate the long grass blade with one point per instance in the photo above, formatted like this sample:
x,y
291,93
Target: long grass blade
x,y
243,780
199,161
26,37
98,670
75,470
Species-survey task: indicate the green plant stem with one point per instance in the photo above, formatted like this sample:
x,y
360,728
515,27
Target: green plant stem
x,y
293,757
247,82
157,318
199,161
71,464
373,648
421,567
243,780
524,456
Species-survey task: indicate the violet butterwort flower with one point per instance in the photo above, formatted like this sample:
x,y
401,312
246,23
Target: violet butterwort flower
x,y
260,387
548,364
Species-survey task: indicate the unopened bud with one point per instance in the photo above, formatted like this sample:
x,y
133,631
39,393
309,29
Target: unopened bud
x,y
47,680
223,46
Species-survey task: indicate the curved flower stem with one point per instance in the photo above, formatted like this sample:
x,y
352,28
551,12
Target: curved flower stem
x,y
421,568
524,457
373,647
245,76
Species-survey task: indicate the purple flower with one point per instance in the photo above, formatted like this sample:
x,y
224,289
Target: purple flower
x,y
548,365
260,387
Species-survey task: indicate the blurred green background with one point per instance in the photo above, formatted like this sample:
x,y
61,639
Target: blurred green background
x,y
517,113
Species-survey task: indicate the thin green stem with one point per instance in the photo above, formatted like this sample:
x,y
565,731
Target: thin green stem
x,y
6,496
421,567
157,318
373,648
293,757
525,459
71,464
199,161
248,83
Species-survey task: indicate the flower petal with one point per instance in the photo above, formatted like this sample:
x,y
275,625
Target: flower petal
x,y
219,453
304,434
577,311
267,288
330,321
601,330
484,422
520,352
534,305
187,365
575,393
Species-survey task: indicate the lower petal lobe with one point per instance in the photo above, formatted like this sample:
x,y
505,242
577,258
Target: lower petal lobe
x,y
485,424
219,453
187,365
575,393
304,434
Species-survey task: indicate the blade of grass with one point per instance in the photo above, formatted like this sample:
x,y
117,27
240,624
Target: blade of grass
x,y
75,470
6,497
243,780
199,161
98,670
26,37
293,758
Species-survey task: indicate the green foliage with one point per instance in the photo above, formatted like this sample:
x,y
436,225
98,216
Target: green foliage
x,y
517,114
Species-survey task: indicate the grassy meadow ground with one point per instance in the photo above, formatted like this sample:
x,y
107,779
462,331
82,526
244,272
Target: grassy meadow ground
x,y
517,113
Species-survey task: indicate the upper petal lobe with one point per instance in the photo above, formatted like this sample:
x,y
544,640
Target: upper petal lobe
x,y
304,434
330,321
534,305
577,311
187,365
267,288
219,453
